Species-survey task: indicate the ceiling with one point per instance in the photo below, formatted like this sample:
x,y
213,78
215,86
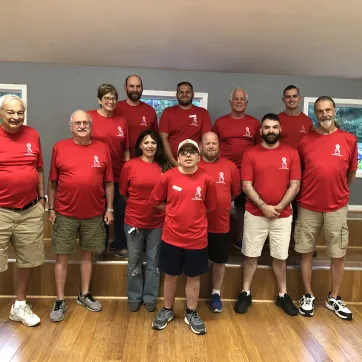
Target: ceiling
x,y
260,36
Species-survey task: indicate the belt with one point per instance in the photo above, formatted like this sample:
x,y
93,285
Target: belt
x,y
30,204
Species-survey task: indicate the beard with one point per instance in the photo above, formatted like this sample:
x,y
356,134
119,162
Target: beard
x,y
326,124
135,96
211,155
184,102
271,138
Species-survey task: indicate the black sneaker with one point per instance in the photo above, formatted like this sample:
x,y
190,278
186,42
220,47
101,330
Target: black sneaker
x,y
287,304
337,305
243,303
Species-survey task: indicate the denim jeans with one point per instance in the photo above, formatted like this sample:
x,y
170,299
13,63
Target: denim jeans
x,y
119,206
143,289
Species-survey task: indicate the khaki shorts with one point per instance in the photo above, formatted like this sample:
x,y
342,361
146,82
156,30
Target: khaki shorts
x,y
25,231
309,226
92,234
256,230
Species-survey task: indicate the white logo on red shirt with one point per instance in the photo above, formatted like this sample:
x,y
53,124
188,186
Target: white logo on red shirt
x,y
29,151
120,132
221,178
247,132
177,188
284,164
337,151
143,122
302,130
194,120
197,194
96,162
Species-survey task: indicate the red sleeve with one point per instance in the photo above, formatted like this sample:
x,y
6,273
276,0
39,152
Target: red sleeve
x,y
295,170
163,127
126,137
159,192
215,128
124,180
311,126
40,156
210,198
353,166
206,123
235,180
108,173
154,121
300,154
53,172
258,138
246,169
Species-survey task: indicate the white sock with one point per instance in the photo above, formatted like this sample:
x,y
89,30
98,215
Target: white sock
x,y
247,292
215,291
21,303
281,295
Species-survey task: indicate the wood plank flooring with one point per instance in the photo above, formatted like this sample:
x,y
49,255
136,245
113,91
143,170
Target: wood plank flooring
x,y
265,333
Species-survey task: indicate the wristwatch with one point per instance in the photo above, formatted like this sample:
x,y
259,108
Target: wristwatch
x,y
110,210
42,198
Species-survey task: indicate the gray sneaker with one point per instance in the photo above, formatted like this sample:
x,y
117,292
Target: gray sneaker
x,y
89,302
122,254
162,318
195,322
59,308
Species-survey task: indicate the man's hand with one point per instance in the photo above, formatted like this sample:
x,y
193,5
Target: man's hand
x,y
279,208
108,217
52,217
269,211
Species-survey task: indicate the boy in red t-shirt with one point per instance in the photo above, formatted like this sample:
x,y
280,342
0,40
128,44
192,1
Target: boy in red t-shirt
x,y
185,193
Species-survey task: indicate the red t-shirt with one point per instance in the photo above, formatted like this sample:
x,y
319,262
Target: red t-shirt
x,y
138,118
138,178
271,171
181,124
188,197
294,128
236,135
20,155
113,131
325,161
80,172
227,179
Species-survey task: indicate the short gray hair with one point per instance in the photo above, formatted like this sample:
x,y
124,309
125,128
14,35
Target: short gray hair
x,y
236,89
8,98
80,110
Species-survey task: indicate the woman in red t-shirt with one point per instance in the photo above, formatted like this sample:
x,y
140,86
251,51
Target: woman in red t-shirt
x,y
143,222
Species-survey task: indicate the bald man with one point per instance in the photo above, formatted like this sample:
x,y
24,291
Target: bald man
x,y
139,115
80,185
228,187
22,201
237,132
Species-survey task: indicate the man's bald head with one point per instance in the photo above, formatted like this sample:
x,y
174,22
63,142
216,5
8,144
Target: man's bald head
x,y
80,115
210,146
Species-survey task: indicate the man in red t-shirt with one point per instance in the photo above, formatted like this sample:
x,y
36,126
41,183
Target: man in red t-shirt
x,y
139,115
295,124
270,174
22,201
329,158
185,193
80,185
183,121
237,132
228,186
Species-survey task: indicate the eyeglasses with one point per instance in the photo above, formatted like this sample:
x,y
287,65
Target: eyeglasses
x,y
79,123
191,152
110,99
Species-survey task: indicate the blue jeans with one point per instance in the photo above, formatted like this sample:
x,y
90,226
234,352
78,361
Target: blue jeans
x,y
119,206
143,289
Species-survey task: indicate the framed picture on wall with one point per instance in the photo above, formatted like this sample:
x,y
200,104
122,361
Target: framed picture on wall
x,y
348,117
19,90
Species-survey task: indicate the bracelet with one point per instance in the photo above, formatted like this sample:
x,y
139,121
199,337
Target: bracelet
x,y
51,209
110,210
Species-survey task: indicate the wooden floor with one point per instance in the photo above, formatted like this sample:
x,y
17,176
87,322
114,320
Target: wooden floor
x,y
265,333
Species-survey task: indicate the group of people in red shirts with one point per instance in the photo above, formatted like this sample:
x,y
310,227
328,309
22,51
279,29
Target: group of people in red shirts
x,y
170,188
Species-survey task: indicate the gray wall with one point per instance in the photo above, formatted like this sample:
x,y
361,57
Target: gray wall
x,y
55,91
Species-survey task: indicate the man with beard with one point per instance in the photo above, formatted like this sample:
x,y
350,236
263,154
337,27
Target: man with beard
x,y
270,174
228,186
329,162
183,121
139,115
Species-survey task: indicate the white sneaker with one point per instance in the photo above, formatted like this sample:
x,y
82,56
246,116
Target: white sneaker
x,y
337,305
25,315
306,305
